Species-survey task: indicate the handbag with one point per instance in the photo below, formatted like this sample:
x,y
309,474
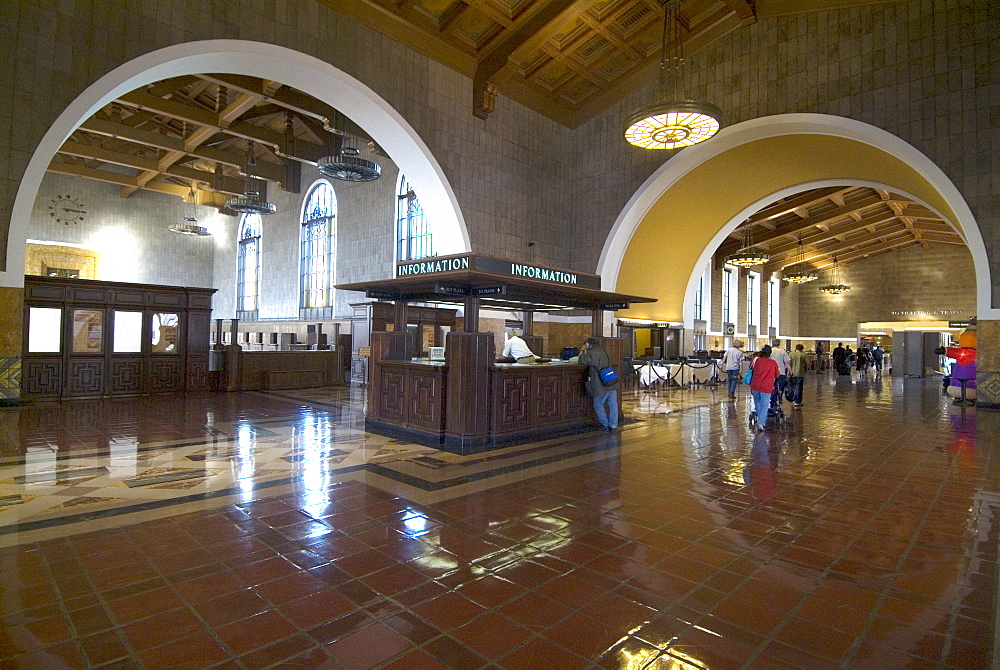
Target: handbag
x,y
608,375
748,377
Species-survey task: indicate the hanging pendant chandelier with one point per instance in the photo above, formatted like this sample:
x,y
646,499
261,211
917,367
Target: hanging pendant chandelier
x,y
747,256
347,165
802,274
836,287
251,201
672,122
190,224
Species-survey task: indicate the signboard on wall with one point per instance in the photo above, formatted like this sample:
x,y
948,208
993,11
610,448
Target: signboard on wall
x,y
431,266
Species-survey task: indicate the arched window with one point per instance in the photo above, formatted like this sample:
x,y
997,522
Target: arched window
x,y
319,236
413,230
248,266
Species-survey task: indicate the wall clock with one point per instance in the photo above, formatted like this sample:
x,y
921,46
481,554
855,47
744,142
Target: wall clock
x,y
66,209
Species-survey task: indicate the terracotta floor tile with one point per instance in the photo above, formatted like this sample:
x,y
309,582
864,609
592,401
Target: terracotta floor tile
x,y
541,654
231,607
448,610
415,660
197,651
254,632
368,647
492,635
659,546
150,603
104,647
316,608
169,627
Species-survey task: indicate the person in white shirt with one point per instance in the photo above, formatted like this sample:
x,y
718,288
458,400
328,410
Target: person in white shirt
x,y
518,349
784,361
731,364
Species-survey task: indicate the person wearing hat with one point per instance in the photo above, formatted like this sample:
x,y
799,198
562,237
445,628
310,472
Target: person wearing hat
x,y
731,364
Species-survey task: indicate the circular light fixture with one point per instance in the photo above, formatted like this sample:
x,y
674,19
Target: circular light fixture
x,y
190,227
347,165
748,258
800,277
250,203
673,125
836,287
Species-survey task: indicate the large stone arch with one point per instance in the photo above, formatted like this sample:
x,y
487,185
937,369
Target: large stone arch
x,y
304,72
679,216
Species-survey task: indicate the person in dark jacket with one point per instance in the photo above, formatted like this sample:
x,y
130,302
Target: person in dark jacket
x,y
596,359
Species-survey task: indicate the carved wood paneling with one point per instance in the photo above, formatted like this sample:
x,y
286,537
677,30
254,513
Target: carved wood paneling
x,y
511,401
85,377
165,375
41,377
547,402
197,372
392,399
424,398
126,376
578,404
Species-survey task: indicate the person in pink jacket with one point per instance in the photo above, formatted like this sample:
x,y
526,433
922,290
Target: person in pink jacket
x,y
765,371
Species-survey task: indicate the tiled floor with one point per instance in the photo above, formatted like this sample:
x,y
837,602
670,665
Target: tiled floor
x,y
251,531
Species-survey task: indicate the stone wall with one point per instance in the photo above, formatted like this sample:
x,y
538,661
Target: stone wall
x,y
891,288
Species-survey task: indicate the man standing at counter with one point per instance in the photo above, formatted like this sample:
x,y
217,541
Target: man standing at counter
x,y
517,349
596,359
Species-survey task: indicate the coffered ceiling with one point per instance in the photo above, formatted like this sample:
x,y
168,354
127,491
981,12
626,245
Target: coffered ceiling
x,y
566,59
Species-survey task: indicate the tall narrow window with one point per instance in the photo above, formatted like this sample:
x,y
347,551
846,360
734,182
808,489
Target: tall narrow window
x,y
413,230
699,299
727,295
753,300
772,304
319,230
248,266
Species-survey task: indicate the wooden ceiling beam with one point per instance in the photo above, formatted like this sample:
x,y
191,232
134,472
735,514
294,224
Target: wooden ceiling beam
x,y
267,171
792,230
114,178
495,58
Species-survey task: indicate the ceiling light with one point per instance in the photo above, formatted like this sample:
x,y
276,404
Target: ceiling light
x,y
747,256
347,165
803,274
251,201
836,287
672,122
190,224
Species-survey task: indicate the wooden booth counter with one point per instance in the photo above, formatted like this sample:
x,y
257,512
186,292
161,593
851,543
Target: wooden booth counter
x,y
468,402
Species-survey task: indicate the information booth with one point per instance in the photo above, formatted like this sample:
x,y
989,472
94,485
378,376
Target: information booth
x,y
469,402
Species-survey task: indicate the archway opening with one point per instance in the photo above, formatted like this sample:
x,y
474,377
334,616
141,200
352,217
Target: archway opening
x,y
319,79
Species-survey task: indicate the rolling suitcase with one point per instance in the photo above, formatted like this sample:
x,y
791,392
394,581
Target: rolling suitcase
x,y
843,369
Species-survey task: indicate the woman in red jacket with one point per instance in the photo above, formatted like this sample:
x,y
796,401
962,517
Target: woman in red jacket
x,y
765,371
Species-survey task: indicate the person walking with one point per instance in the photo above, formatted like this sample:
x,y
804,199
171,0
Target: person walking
x,y
820,358
731,364
765,372
784,361
840,358
596,359
799,364
877,354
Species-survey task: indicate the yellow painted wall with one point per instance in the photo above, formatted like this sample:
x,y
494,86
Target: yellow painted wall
x,y
642,340
662,254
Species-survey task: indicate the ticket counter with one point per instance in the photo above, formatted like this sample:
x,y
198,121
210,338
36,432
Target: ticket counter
x,y
469,402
